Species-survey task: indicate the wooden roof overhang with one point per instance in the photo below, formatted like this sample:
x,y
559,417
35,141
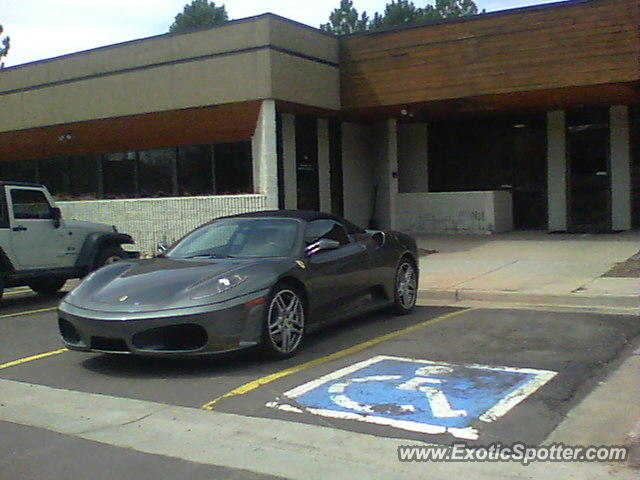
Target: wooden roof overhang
x,y
211,124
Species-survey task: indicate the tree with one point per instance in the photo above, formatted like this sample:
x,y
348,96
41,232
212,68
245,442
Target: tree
x,y
199,14
345,19
4,49
398,12
445,9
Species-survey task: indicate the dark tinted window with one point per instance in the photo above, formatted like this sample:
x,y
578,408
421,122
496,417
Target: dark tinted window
x,y
325,229
30,204
335,167
119,175
84,177
20,171
54,175
195,173
155,167
213,169
233,168
306,135
486,153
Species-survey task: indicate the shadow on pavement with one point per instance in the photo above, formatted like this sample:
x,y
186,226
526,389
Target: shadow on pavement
x,y
322,342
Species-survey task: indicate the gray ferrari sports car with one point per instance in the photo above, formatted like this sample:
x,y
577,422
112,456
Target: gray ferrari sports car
x,y
259,279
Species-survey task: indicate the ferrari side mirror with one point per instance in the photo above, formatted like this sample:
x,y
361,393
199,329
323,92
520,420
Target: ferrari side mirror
x,y
380,238
322,245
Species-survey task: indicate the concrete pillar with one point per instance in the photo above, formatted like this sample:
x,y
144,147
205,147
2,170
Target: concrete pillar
x,y
557,171
413,172
387,173
620,168
358,176
324,167
265,154
289,161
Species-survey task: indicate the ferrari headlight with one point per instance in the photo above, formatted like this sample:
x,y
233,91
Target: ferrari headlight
x,y
212,288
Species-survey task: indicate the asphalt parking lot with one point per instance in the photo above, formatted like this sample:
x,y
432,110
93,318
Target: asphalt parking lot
x,y
438,375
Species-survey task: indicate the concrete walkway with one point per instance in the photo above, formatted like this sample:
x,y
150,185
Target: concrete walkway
x,y
534,268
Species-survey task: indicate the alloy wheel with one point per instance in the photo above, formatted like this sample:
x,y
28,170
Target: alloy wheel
x,y
406,286
285,321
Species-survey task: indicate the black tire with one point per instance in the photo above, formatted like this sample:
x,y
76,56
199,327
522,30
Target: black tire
x,y
405,290
108,255
274,344
47,286
1,286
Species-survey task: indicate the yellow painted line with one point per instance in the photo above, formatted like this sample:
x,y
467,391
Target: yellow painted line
x,y
29,312
248,387
32,358
18,290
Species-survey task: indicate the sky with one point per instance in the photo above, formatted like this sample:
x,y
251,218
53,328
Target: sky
x,y
48,28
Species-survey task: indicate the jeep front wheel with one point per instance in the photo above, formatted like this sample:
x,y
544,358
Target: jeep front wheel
x,y
47,286
109,255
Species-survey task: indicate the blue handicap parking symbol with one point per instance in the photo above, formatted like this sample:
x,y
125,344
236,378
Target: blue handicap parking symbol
x,y
417,395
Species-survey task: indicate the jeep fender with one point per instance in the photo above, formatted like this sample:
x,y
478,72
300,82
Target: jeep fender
x,y
97,241
5,263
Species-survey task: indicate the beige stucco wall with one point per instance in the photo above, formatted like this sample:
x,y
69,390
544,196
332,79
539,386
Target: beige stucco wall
x,y
169,87
297,80
301,38
236,62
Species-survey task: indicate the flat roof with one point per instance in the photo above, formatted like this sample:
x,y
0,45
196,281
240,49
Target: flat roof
x,y
168,34
469,18
511,11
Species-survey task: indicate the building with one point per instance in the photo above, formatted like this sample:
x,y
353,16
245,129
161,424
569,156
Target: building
x,y
521,119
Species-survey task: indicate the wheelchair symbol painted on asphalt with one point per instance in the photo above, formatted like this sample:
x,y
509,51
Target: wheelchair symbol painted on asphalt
x,y
416,395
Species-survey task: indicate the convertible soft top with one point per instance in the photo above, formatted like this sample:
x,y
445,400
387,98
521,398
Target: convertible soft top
x,y
305,215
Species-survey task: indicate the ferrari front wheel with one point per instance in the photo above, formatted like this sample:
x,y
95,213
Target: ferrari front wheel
x,y
406,287
284,322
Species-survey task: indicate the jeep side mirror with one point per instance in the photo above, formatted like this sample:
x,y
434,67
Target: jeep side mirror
x,y
56,216
322,245
161,248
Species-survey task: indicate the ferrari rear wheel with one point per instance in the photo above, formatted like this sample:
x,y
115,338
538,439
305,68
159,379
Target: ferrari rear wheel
x,y
284,322
406,289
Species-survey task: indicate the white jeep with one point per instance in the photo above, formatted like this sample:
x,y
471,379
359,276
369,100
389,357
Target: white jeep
x,y
40,249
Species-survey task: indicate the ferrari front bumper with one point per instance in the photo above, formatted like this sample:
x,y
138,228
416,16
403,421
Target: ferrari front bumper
x,y
216,328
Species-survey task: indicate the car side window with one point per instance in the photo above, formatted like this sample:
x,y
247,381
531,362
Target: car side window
x,y
325,229
30,204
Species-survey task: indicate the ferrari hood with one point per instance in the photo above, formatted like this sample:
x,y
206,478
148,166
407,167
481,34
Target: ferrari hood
x,y
163,283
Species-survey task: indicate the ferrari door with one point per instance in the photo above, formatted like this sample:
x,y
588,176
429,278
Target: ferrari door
x,y
338,278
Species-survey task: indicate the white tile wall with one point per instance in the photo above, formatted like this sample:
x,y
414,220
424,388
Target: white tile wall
x,y
153,220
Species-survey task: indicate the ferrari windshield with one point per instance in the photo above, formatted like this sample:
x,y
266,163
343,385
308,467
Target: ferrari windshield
x,y
239,238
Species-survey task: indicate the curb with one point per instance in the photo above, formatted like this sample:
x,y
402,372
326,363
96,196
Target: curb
x,y
633,444
571,300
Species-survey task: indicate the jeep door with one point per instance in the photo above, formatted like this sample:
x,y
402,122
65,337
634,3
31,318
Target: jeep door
x,y
36,243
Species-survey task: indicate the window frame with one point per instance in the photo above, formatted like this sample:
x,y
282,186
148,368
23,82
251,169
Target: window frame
x,y
29,189
348,238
